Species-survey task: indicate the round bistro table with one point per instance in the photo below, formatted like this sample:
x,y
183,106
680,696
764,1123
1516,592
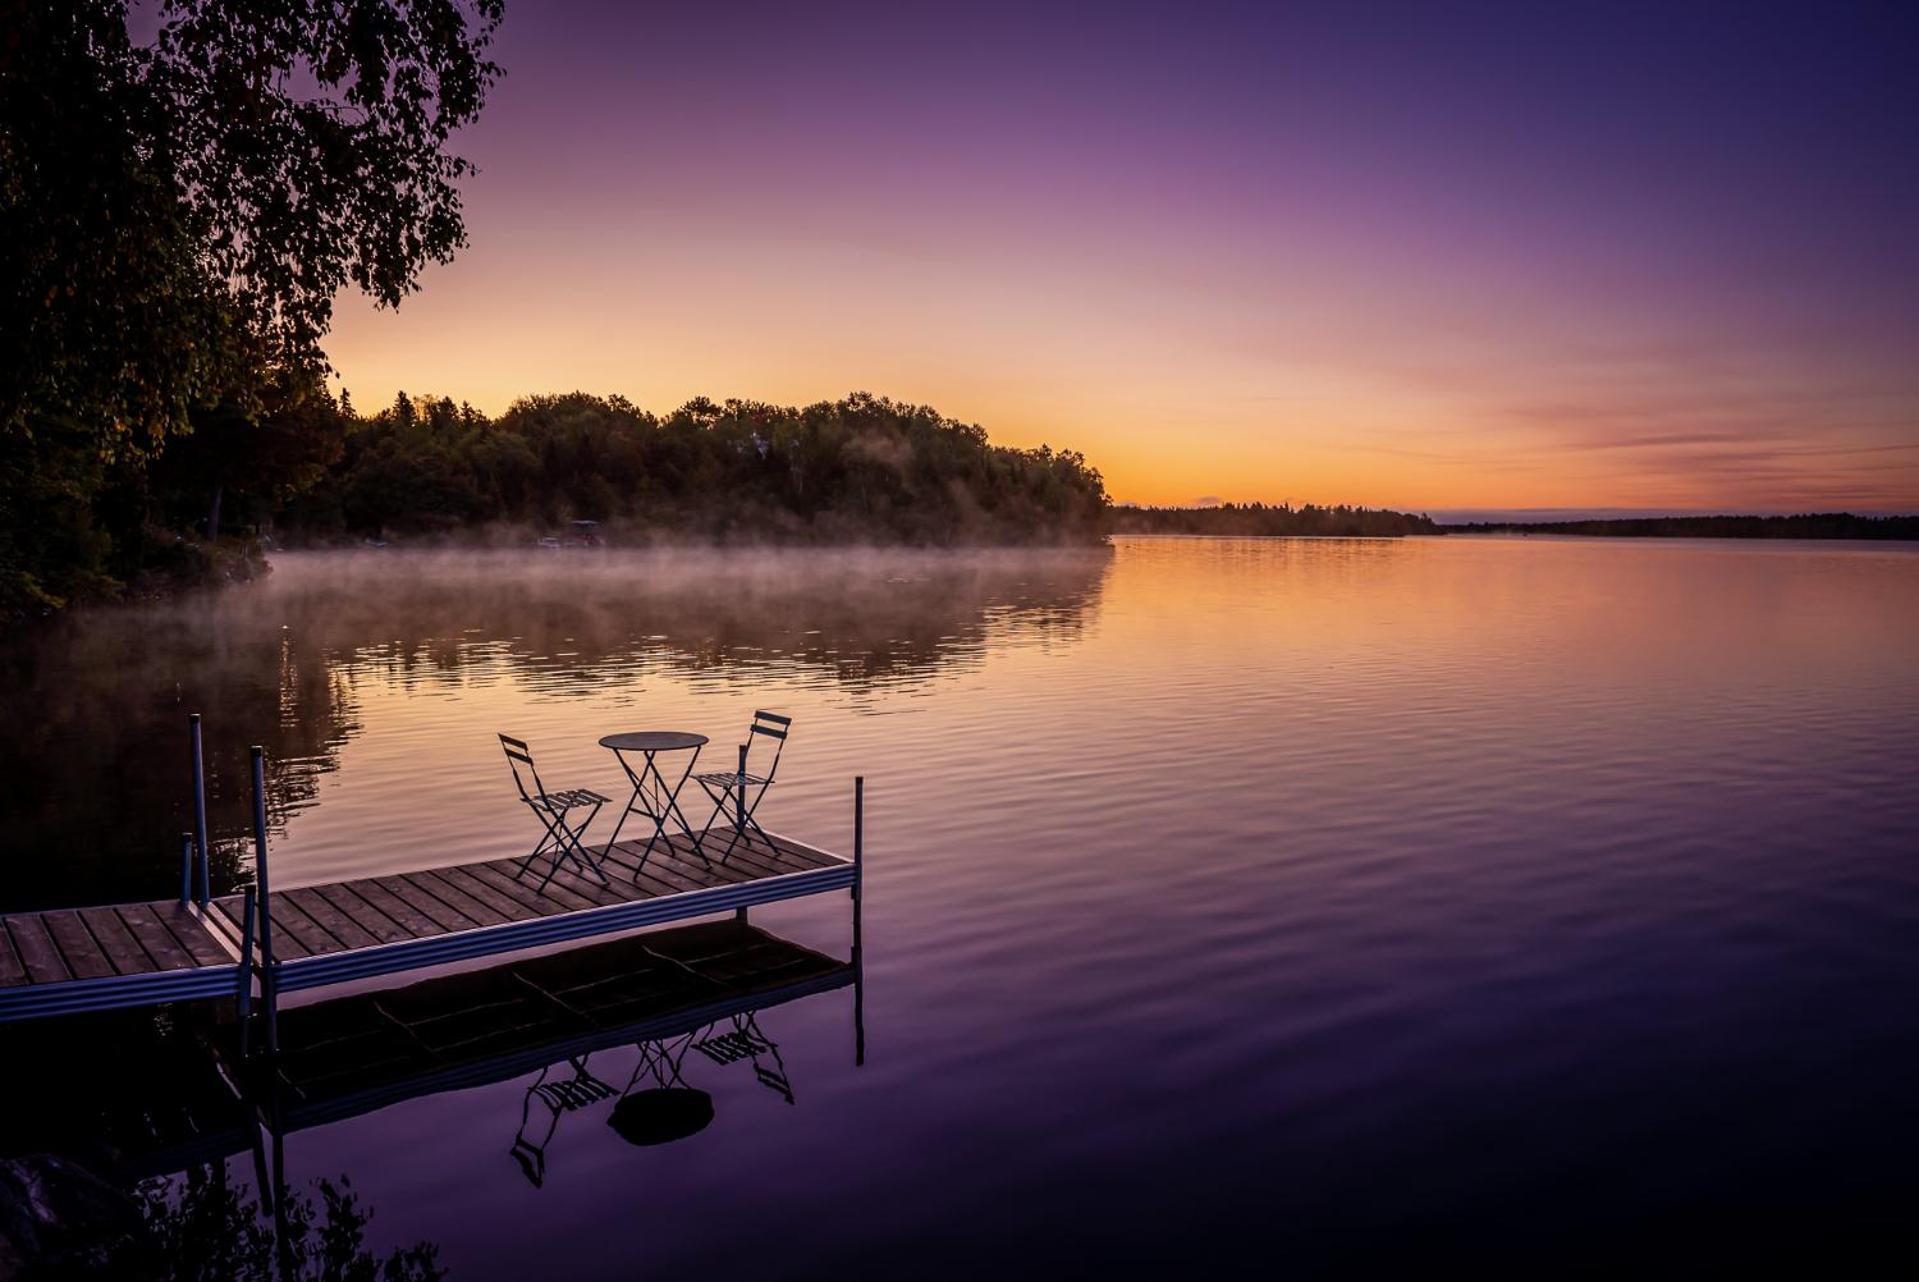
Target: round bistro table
x,y
653,796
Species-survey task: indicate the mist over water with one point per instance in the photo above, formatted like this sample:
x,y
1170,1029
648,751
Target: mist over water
x,y
1549,903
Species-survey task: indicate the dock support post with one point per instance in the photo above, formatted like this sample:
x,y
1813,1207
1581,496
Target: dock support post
x,y
739,803
859,952
244,999
269,968
186,867
199,805
859,834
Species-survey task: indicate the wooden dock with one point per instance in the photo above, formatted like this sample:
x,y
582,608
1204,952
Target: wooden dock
x,y
193,1102
68,960
75,959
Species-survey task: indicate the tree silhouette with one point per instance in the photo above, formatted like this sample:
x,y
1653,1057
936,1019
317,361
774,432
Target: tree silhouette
x,y
176,218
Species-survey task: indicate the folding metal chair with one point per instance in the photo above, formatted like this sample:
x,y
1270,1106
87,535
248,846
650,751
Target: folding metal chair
x,y
554,811
730,787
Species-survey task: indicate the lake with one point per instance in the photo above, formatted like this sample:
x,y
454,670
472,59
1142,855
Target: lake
x,y
1291,907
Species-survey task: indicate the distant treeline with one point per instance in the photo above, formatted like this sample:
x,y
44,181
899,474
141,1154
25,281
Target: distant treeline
x,y
859,470
1256,519
1811,525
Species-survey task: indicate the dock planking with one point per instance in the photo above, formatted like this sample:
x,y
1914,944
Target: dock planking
x,y
365,912
124,940
143,953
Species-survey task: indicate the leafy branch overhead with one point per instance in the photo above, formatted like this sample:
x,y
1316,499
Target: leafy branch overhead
x,y
180,212
311,141
180,203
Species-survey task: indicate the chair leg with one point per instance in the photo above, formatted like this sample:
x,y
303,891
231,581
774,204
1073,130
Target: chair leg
x,y
577,832
547,841
571,847
745,822
721,799
563,840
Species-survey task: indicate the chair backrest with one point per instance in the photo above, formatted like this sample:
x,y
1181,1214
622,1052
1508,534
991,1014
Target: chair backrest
x,y
773,726
518,756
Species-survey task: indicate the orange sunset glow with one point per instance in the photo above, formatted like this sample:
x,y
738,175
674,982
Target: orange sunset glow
x,y
1464,290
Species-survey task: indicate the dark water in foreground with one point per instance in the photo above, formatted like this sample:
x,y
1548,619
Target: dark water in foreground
x,y
1267,907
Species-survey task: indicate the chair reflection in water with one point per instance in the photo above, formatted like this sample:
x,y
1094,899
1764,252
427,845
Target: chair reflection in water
x,y
658,1105
745,1041
687,999
556,1097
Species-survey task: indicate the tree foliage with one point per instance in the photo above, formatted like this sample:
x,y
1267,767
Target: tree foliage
x,y
1281,519
861,469
177,215
1805,525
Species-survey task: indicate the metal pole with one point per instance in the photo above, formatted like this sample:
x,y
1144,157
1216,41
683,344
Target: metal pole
x,y
269,969
199,803
859,833
244,999
859,951
739,815
186,866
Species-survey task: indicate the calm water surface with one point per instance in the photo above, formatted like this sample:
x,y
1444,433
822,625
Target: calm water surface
x,y
1338,905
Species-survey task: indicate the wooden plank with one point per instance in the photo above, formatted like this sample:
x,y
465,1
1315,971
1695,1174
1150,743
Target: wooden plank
x,y
586,886
511,908
455,898
715,846
500,873
191,933
793,856
82,953
340,897
37,950
415,923
805,856
293,929
507,886
755,859
330,919
121,948
657,874
155,938
12,970
286,945
442,916
688,865
622,864
232,910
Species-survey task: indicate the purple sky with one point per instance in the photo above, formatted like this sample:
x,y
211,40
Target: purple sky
x,y
1438,256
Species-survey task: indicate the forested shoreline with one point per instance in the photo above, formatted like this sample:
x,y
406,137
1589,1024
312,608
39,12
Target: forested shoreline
x,y
305,469
1806,525
863,469
1277,520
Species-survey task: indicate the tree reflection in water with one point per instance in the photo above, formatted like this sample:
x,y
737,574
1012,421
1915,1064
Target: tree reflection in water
x,y
95,758
138,1172
202,1227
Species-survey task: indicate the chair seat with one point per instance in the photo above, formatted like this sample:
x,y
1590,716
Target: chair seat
x,y
729,779
571,798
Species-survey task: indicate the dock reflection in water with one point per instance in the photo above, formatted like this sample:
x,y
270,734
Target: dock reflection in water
x,y
670,993
632,1032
